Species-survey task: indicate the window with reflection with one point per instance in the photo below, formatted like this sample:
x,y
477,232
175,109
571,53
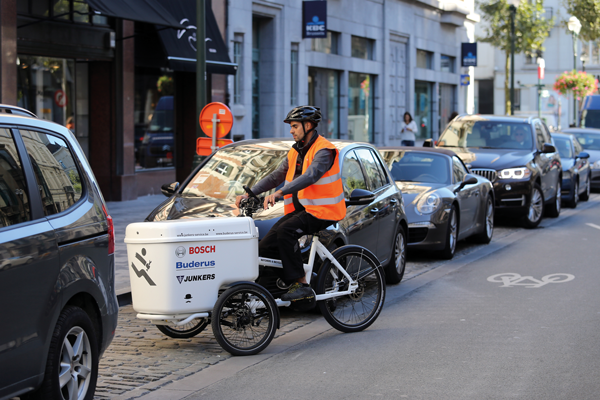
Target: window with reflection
x,y
14,202
413,166
362,47
55,171
371,166
352,175
360,107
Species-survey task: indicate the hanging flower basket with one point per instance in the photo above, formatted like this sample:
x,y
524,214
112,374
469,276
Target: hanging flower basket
x,y
580,83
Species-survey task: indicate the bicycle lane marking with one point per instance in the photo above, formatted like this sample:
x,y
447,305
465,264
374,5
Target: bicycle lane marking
x,y
510,279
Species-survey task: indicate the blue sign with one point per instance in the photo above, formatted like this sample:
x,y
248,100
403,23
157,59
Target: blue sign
x,y
314,19
465,80
469,55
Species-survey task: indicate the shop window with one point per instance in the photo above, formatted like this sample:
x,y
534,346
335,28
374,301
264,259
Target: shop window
x,y
423,99
14,202
55,171
323,91
61,10
362,48
294,74
328,45
238,48
360,107
154,135
424,59
447,63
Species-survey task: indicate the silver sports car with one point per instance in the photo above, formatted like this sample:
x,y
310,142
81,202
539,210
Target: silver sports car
x,y
444,202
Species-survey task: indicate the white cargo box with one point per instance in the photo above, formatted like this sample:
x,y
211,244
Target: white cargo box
x,y
178,266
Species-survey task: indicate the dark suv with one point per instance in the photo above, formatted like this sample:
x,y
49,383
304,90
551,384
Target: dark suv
x,y
57,294
516,155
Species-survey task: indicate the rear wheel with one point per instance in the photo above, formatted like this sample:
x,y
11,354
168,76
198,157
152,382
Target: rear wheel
x,y
555,206
356,311
536,208
488,231
451,235
585,196
188,330
394,271
244,319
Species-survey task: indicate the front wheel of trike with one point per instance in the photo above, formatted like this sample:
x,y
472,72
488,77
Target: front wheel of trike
x,y
357,311
244,319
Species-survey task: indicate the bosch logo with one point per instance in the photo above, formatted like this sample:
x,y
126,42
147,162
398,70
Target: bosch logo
x,y
180,252
202,249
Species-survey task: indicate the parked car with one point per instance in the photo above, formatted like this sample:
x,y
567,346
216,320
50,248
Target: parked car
x,y
210,191
590,111
589,139
525,170
576,176
158,143
57,291
444,202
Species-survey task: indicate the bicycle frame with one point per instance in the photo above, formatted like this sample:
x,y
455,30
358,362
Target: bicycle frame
x,y
316,248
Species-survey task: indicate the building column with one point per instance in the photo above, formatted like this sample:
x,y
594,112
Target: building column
x,y
8,52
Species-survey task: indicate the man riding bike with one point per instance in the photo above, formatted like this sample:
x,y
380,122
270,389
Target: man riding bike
x,y
313,198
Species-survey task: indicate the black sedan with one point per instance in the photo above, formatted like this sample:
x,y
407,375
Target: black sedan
x,y
589,139
576,177
444,202
210,191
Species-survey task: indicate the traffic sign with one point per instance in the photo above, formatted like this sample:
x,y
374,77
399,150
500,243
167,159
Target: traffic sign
x,y
224,119
204,145
60,98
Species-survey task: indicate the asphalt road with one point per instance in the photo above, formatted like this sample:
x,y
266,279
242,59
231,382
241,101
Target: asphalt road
x,y
463,332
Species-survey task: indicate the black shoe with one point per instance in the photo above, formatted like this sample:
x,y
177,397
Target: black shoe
x,y
299,291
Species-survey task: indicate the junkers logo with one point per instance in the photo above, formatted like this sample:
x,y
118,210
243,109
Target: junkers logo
x,y
194,278
180,251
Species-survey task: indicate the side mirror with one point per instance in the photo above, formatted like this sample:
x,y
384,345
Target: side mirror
x,y
360,197
428,143
168,189
548,148
583,154
469,179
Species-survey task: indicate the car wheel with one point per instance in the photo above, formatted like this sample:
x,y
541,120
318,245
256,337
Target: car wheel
x,y
585,196
555,206
394,271
451,235
488,223
575,198
536,208
72,365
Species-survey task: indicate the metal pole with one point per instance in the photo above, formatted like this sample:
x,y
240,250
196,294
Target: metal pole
x,y
575,105
513,12
215,121
539,97
200,70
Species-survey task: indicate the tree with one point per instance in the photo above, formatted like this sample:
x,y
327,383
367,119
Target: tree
x,y
588,13
531,29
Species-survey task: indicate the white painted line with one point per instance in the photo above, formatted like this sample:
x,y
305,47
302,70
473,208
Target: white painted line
x,y
593,225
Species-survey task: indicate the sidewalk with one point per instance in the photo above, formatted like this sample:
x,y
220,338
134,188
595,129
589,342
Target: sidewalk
x,y
124,213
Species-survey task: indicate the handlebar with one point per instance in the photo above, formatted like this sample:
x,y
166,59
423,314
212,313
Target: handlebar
x,y
250,205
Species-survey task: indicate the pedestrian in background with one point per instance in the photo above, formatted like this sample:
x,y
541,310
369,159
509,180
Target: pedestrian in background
x,y
408,128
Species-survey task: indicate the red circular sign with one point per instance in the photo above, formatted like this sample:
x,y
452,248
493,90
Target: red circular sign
x,y
60,98
224,116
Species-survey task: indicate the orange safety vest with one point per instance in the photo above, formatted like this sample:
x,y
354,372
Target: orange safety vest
x,y
323,199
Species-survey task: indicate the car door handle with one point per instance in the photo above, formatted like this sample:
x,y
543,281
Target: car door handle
x,y
375,210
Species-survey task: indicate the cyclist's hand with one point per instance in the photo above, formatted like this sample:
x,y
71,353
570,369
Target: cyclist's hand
x,y
239,199
272,198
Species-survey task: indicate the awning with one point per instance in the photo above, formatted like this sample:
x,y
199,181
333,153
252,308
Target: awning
x,y
180,44
149,11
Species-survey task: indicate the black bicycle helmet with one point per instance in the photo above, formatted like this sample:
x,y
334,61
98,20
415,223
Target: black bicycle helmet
x,y
304,113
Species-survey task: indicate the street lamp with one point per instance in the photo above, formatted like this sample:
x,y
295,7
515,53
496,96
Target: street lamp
x,y
574,26
584,58
541,66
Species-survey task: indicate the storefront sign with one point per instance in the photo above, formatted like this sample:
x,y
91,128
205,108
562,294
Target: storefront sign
x,y
465,80
60,98
314,19
469,55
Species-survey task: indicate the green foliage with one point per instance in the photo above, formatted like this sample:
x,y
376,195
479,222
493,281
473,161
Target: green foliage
x,y
588,13
531,27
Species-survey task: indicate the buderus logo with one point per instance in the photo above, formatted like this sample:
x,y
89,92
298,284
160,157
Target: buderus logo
x,y
195,265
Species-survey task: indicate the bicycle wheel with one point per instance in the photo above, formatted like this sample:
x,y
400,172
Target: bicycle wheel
x,y
244,319
188,330
357,311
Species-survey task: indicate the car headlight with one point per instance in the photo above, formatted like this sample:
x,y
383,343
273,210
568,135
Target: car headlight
x,y
305,241
596,165
514,173
428,204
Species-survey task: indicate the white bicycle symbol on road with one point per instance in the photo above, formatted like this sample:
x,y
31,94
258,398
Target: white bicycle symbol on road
x,y
510,279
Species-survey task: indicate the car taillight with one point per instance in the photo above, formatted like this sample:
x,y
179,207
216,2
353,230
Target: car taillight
x,y
111,232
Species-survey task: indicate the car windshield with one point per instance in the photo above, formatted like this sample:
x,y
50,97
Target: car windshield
x,y
564,147
588,141
225,174
487,135
590,119
411,166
